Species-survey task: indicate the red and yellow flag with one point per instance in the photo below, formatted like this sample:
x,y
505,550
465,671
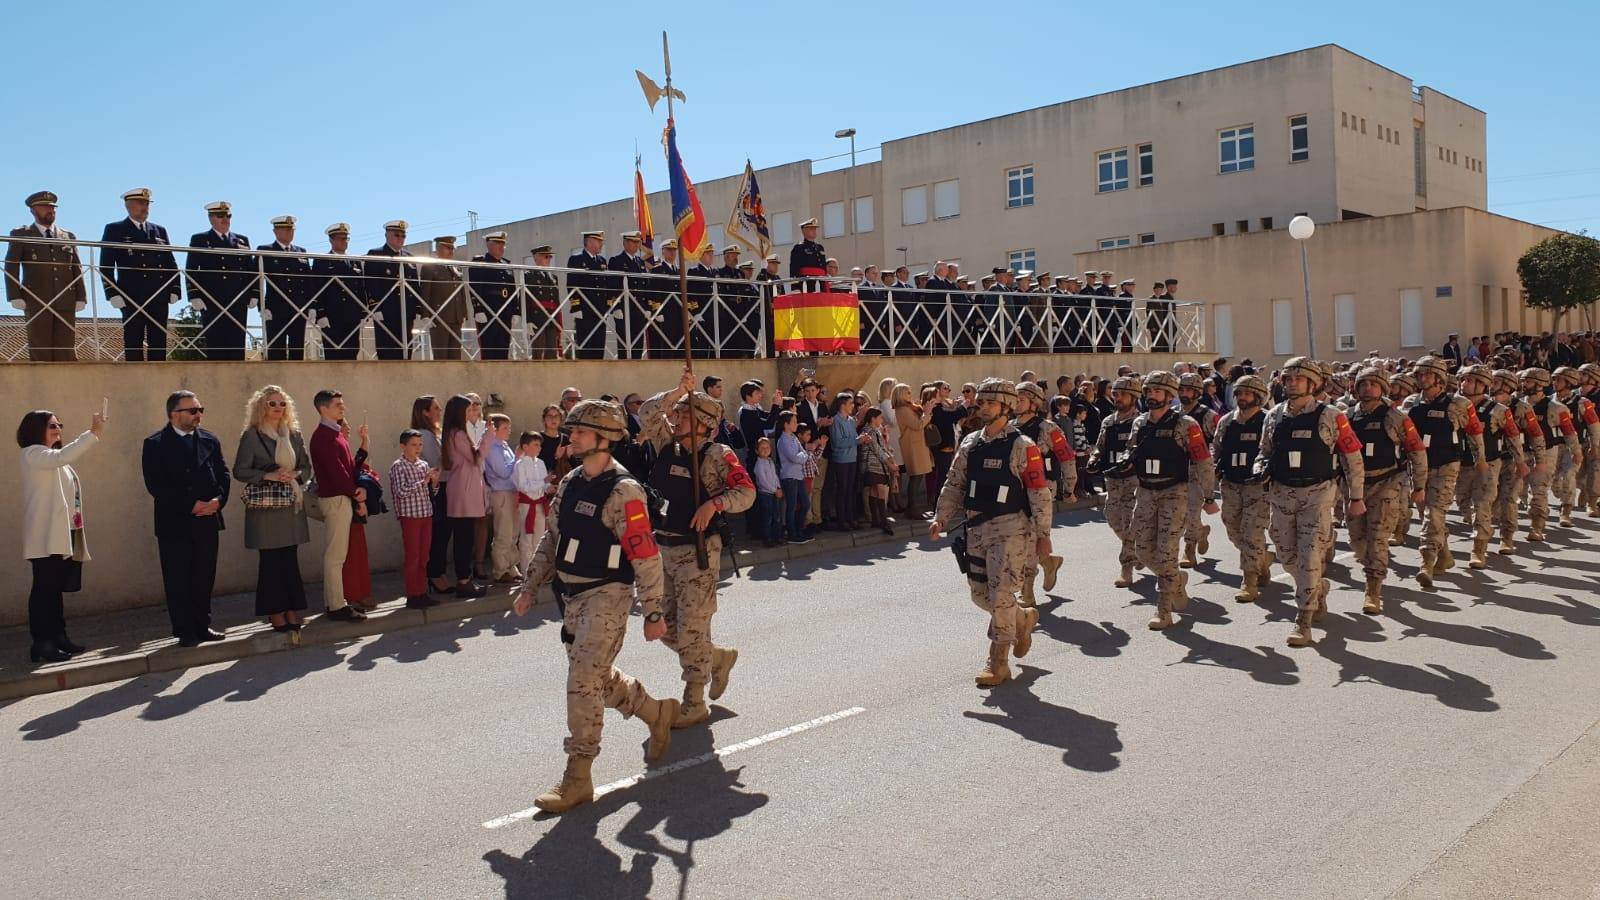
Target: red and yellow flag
x,y
641,208
816,323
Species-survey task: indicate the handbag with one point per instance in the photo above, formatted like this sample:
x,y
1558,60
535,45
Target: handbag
x,y
313,504
268,495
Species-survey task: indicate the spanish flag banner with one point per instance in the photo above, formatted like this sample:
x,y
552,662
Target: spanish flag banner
x,y
816,323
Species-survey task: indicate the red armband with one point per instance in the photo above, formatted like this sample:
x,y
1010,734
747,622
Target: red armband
x,y
1474,426
1063,450
1033,474
1566,424
1589,417
1347,440
1413,440
638,539
1198,451
737,476
1511,425
1531,425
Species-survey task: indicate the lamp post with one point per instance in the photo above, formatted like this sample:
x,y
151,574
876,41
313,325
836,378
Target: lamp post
x,y
850,175
1301,228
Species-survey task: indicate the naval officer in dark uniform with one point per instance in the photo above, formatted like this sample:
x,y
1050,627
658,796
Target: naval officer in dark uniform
x,y
221,285
340,296
808,259
392,292
630,327
288,293
588,304
141,284
494,298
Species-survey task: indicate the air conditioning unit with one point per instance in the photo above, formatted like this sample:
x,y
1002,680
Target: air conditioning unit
x,y
1347,342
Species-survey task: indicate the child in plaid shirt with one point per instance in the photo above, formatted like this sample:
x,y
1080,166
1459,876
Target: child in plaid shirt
x,y
411,485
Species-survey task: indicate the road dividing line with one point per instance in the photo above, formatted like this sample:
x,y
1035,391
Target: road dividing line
x,y
680,765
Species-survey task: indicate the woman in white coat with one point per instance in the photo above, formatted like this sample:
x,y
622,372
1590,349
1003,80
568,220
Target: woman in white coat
x,y
52,526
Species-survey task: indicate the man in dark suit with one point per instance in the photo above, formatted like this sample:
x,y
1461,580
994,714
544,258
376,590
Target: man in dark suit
x,y
1451,351
222,286
184,470
288,293
589,302
494,298
140,283
340,297
392,291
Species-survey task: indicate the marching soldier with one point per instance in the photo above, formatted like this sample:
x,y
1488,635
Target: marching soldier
x,y
494,298
1476,488
544,332
1442,418
589,303
1196,534
444,300
340,296
45,281
222,286
1525,436
1567,485
1166,451
599,549
1401,387
141,284
1561,442
1392,457
808,259
1110,453
288,293
391,292
672,421
1245,512
1299,441
998,480
1589,478
1033,420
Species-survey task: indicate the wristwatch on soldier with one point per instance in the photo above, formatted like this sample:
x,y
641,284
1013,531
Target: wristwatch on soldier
x,y
653,618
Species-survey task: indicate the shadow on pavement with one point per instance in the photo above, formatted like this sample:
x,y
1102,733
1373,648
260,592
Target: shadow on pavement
x,y
1263,664
1454,689
1102,640
1091,744
1510,643
122,696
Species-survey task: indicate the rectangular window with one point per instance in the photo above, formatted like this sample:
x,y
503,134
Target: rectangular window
x,y
1019,187
864,222
1022,259
947,199
1266,223
833,219
1218,230
1236,149
1147,238
1242,226
1299,139
1147,165
1411,317
1344,322
1111,171
1363,126
914,205
1112,243
1419,160
783,228
1282,327
1344,120
1222,316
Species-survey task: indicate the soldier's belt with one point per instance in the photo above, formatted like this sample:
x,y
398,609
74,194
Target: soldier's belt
x,y
1378,477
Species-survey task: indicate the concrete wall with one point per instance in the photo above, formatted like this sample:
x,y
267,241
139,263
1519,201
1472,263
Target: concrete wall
x,y
1460,131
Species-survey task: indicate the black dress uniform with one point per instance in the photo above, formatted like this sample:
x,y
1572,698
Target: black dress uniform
x,y
631,301
699,301
589,305
544,314
391,290
665,333
872,300
288,292
341,302
226,284
736,313
494,296
144,281
808,260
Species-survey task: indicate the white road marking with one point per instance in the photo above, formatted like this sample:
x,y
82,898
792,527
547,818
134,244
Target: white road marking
x,y
680,765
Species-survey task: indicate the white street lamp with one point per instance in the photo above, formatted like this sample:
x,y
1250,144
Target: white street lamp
x,y
1301,228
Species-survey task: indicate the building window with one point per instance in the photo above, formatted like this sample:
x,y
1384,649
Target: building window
x,y
864,222
783,228
1222,319
1266,223
1344,120
1344,322
1112,243
1299,139
1022,259
914,205
1019,187
1147,238
947,199
1147,165
833,219
1112,171
1411,317
1282,327
1242,226
1236,149
1419,160
1363,126
1217,229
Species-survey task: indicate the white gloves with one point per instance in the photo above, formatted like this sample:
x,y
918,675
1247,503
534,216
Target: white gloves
x,y
323,323
197,303
17,302
116,301
480,317
81,305
266,316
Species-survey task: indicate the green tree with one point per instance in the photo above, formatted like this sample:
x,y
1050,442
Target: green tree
x,y
1562,273
185,331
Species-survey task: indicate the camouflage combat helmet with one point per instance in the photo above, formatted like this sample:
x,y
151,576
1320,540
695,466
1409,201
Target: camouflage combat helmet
x,y
1252,383
1128,384
1538,376
1162,379
1307,367
998,389
600,416
1374,373
707,411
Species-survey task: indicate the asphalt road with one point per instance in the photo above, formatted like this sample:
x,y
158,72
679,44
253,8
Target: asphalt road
x,y
1441,750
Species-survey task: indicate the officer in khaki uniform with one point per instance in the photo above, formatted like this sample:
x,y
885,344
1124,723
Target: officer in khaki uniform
x,y
1476,488
1034,421
1392,458
1451,432
1569,383
1108,458
1299,442
1245,513
997,481
672,421
1526,437
1166,451
45,281
599,548
445,297
1196,533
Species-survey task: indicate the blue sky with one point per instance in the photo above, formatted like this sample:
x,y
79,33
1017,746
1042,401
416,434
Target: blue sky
x,y
422,111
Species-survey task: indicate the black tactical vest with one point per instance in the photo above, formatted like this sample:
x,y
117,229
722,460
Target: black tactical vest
x,y
589,551
1300,457
1241,442
1117,434
1161,459
1439,435
673,482
992,488
1494,445
1379,453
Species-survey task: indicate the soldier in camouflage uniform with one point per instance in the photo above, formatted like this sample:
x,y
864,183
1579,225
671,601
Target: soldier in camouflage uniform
x,y
1589,476
1299,442
1451,433
1033,420
1245,513
1167,450
1568,482
1525,436
1392,458
599,549
1477,489
1196,533
1401,387
1110,452
1561,443
997,480
672,421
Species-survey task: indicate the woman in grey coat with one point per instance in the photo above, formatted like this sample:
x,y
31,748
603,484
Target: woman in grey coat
x,y
273,455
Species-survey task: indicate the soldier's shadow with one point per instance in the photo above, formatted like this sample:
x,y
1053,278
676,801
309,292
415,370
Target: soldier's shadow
x,y
1510,643
1263,664
1454,689
1102,640
569,860
1090,744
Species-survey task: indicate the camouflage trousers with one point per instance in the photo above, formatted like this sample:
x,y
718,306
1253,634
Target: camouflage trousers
x,y
1441,493
690,600
1476,493
1030,565
1245,514
1538,487
1369,534
1195,521
1565,482
597,619
1402,522
1589,479
1301,522
1506,497
1159,517
996,550
1119,507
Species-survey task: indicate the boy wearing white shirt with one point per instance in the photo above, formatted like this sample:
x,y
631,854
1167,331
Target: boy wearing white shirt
x,y
532,480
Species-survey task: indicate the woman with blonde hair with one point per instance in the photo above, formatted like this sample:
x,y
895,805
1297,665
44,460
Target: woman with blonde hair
x,y
886,403
274,467
912,419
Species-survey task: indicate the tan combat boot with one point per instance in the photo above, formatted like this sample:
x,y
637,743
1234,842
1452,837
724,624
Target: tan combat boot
x,y
693,710
1566,515
1266,567
1425,573
1446,561
1249,592
1319,601
1374,604
1536,525
1480,554
1026,619
1027,600
575,788
1051,566
722,660
1163,616
995,671
1507,544
1126,578
1594,509
1205,538
1301,635
1180,592
1188,556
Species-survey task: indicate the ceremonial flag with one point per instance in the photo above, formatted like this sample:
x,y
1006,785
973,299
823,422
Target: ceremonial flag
x,y
822,322
688,220
747,222
641,209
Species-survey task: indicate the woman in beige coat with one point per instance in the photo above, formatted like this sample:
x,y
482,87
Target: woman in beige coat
x,y
910,419
52,526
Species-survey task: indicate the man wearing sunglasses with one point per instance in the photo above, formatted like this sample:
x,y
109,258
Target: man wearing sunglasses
x,y
222,285
186,473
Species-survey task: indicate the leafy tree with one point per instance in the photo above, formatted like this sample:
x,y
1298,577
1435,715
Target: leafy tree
x,y
1561,273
